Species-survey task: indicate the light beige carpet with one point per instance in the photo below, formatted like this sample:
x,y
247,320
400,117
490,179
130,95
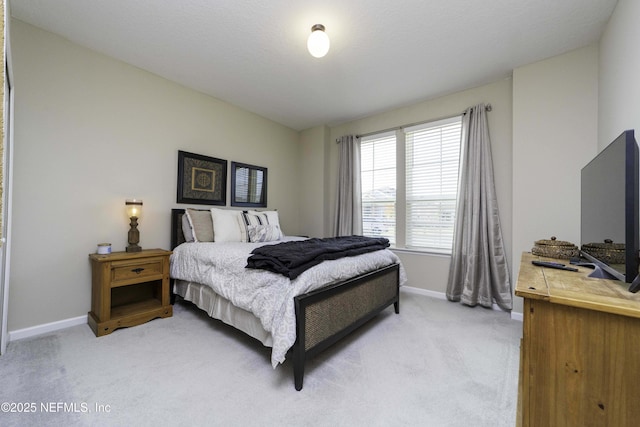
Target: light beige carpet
x,y
435,364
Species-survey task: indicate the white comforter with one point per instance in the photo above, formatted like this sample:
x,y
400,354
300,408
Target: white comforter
x,y
269,296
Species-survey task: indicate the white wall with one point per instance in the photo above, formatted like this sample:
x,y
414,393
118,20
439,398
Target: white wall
x,y
430,272
89,133
619,99
312,193
555,114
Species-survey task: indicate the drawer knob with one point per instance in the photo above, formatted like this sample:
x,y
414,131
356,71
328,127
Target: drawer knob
x,y
138,270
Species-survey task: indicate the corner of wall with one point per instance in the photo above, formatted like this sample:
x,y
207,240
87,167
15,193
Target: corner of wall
x,y
313,190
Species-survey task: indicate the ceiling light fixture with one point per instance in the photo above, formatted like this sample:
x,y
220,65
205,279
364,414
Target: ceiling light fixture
x,y
318,42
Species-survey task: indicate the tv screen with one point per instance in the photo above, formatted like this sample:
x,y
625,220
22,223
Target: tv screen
x,y
609,208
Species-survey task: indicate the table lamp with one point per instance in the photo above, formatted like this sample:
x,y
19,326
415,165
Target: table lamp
x,y
134,211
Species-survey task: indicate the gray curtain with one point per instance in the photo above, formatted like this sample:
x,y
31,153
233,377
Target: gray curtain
x,y
348,216
478,273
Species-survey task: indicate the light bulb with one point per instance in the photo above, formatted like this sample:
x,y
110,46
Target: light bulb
x,y
318,42
133,207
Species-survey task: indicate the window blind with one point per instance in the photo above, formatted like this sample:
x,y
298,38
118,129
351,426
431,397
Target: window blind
x,y
242,183
378,180
432,163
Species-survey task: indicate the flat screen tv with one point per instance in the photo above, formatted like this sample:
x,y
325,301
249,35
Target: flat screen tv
x,y
610,194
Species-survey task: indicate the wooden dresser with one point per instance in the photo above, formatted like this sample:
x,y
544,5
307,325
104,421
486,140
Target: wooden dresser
x,y
580,350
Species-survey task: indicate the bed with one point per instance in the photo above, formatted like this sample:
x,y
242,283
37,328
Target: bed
x,y
296,318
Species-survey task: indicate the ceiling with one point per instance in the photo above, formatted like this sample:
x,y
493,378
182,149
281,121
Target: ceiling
x,y
384,54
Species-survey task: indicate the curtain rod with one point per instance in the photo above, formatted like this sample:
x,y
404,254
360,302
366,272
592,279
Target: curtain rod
x,y
486,108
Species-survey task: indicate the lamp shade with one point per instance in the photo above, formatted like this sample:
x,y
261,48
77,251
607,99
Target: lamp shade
x,y
318,42
134,208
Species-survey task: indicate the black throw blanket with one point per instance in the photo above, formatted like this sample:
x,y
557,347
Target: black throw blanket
x,y
292,258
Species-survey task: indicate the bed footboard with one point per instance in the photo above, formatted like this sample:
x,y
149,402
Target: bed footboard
x,y
329,314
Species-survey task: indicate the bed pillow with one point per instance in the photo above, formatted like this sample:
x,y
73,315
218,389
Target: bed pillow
x,y
272,217
201,225
246,220
226,225
259,227
263,233
187,230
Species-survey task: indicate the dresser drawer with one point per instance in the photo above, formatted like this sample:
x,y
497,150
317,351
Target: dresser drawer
x,y
142,269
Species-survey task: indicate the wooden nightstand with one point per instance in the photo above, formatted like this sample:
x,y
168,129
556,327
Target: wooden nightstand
x,y
128,288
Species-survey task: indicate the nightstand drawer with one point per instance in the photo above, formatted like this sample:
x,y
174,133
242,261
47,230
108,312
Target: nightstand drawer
x,y
127,270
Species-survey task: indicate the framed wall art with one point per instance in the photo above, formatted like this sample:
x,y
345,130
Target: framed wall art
x,y
248,185
201,179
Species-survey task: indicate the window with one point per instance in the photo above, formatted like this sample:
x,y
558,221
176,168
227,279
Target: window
x,y
421,213
378,177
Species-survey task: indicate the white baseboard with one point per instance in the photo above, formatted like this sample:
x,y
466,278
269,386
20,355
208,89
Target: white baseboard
x,y
443,296
45,328
425,292
516,316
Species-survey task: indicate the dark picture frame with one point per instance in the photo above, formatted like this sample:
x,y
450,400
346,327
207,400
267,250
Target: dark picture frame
x,y
202,179
248,185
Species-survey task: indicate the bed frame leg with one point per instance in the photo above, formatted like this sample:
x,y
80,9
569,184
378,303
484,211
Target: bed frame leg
x,y
298,375
298,367
172,296
396,306
299,352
